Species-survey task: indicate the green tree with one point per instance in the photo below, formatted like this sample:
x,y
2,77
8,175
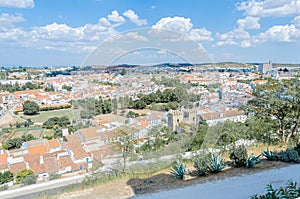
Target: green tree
x,y
199,137
22,174
125,144
278,101
6,177
123,72
30,108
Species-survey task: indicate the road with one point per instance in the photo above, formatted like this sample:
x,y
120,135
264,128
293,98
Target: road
x,y
36,189
234,187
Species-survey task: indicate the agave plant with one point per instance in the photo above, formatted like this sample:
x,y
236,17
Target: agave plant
x,y
252,160
270,155
217,163
179,170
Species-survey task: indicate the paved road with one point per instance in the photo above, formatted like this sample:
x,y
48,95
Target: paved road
x,y
234,187
38,189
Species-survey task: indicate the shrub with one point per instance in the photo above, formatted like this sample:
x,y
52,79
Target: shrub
x,y
239,156
297,148
252,161
289,155
178,170
201,164
217,163
270,155
22,174
30,179
290,191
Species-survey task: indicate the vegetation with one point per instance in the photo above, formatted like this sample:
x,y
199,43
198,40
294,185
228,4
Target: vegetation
x,y
30,108
29,179
279,100
217,163
16,143
239,156
63,121
289,155
201,164
6,177
16,87
179,170
22,174
290,191
125,143
252,161
270,155
132,114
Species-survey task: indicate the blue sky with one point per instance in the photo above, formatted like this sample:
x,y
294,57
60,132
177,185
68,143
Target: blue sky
x,y
66,32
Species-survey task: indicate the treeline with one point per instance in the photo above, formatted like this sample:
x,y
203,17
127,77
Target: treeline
x,y
16,87
56,121
50,108
172,97
16,143
166,100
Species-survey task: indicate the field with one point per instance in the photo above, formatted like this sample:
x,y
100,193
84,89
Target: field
x,y
45,115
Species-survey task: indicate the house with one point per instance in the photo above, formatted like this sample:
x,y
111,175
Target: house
x,y
213,118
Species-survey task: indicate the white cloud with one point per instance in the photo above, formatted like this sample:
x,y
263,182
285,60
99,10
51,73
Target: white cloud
x,y
233,37
17,3
132,16
249,23
6,18
115,17
246,44
183,26
296,21
200,35
153,7
178,24
281,33
270,8
226,42
103,21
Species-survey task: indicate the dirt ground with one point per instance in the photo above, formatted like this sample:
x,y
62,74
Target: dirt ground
x,y
125,188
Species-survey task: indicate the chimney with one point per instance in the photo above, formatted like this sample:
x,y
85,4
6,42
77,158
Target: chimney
x,y
41,159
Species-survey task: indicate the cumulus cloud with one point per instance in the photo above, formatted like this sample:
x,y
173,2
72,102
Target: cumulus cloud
x,y
296,21
234,37
270,8
115,17
183,26
201,34
281,33
132,16
249,23
178,24
17,3
6,18
59,36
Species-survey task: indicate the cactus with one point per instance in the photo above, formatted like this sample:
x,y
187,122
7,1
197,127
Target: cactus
x,y
201,164
239,156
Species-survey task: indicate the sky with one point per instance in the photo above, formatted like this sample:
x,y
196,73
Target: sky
x,y
82,32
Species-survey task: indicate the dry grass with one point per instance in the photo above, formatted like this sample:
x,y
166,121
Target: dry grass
x,y
162,180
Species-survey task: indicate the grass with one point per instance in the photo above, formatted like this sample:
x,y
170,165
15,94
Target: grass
x,y
45,115
48,133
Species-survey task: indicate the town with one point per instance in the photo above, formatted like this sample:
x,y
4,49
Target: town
x,y
65,121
